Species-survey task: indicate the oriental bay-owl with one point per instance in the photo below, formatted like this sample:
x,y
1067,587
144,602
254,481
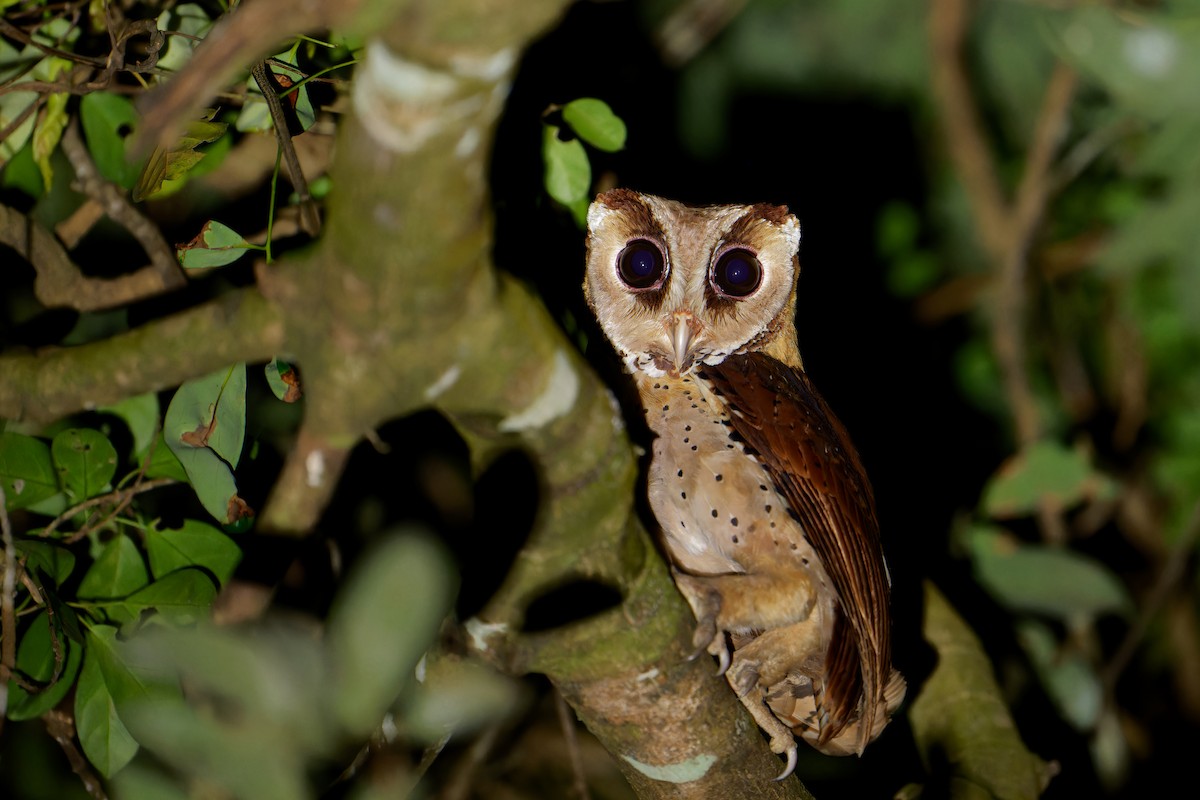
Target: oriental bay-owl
x,y
765,510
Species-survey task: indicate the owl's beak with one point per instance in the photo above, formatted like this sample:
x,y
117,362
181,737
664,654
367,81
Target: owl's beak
x,y
683,329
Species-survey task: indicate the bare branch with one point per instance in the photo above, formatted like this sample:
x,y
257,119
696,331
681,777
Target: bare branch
x,y
120,210
962,129
59,281
119,497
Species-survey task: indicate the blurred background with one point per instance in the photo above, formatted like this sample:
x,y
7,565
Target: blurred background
x,y
1000,297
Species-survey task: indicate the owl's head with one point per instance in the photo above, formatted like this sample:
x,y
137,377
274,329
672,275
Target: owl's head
x,y
674,286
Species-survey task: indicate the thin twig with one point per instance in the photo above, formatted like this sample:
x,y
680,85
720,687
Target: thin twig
x,y
462,777
120,210
1168,578
61,727
572,742
1008,324
961,124
120,496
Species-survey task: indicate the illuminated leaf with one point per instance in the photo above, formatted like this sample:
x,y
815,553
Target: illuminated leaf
x,y
195,544
85,462
216,245
1045,580
164,165
568,173
205,428
595,123
26,470
52,121
107,121
1043,472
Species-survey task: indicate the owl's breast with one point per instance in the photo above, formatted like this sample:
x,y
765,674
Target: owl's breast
x,y
714,500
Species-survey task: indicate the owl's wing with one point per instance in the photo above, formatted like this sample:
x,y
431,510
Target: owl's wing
x,y
808,454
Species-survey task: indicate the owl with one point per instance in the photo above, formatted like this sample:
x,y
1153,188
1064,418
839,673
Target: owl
x,y
765,510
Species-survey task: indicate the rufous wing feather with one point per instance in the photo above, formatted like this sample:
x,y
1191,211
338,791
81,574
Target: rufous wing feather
x,y
809,456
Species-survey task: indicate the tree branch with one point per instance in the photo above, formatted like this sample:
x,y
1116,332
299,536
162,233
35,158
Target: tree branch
x,y
54,382
59,283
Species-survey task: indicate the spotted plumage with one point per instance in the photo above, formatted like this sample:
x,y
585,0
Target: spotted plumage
x,y
765,509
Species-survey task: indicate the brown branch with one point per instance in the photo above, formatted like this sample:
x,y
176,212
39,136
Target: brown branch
x,y
59,282
1006,229
120,210
238,326
121,497
962,128
22,36
1168,577
61,727
1009,320
236,40
310,221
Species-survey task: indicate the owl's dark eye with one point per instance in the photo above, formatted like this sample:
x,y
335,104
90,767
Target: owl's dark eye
x,y
640,264
737,273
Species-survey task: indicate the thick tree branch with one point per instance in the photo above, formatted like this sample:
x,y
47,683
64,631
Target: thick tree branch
x,y
54,382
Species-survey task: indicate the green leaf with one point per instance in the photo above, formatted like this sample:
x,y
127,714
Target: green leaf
x,y
142,781
29,64
181,597
210,412
457,696
85,461
117,572
140,414
960,718
568,173
52,121
214,246
205,427
55,562
164,464
1145,64
1043,472
1066,675
248,760
595,123
35,659
188,18
173,164
281,377
196,544
1044,580
104,738
404,587
107,121
26,470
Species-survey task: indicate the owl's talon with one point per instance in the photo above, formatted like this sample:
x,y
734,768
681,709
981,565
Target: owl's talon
x,y
723,661
791,762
